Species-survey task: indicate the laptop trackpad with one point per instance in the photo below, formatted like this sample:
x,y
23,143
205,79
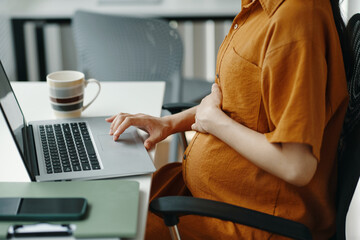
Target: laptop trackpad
x,y
125,141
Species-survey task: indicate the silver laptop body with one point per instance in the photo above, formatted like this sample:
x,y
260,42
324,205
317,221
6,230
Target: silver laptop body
x,y
125,157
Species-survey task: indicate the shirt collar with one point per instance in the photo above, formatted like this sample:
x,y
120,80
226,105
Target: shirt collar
x,y
269,6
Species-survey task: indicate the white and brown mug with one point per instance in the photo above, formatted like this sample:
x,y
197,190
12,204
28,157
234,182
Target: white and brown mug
x,y
66,91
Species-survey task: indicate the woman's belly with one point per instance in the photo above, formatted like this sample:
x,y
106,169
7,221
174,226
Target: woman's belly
x,y
213,170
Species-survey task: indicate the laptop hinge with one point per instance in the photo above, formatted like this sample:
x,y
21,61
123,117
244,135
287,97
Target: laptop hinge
x,y
31,153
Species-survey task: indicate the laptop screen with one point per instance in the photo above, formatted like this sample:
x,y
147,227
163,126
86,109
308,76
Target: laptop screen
x,y
11,110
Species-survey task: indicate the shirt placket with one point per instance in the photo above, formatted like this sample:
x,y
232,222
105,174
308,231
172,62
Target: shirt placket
x,y
238,22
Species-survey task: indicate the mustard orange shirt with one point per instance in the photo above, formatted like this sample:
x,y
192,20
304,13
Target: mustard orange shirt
x,y
281,73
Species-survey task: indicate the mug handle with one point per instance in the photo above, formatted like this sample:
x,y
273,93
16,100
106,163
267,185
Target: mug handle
x,y
92,80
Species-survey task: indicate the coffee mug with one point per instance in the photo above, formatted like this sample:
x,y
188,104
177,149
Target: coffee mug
x,y
66,90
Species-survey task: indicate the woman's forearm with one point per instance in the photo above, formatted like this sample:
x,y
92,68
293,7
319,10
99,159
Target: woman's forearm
x,y
182,121
292,162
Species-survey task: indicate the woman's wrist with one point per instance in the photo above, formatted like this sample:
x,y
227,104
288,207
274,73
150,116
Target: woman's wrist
x,y
180,122
168,122
217,122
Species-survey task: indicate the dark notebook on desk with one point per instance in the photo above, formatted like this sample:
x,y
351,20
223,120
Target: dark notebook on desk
x,y
69,149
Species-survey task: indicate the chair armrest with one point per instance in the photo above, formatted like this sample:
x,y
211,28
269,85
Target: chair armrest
x,y
178,107
172,207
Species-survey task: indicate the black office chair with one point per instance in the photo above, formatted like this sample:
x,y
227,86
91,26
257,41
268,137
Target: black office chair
x,y
349,151
172,207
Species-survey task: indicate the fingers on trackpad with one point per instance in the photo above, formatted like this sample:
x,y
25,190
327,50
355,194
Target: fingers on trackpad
x,y
126,141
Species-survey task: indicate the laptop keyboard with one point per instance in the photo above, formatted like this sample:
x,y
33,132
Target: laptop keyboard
x,y
68,147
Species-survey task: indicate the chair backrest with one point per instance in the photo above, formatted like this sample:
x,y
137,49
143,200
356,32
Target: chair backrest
x,y
128,48
349,148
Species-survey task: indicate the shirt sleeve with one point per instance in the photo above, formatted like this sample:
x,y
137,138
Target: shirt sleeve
x,y
293,85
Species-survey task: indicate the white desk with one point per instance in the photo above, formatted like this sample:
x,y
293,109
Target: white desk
x,y
131,97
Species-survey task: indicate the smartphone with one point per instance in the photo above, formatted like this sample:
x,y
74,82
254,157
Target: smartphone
x,y
43,209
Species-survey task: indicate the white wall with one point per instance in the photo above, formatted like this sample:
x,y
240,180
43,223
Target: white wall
x,y
349,8
354,7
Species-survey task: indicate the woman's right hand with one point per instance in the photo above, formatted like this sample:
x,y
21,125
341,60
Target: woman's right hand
x,y
157,128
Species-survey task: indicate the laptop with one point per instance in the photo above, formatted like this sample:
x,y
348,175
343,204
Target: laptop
x,y
71,149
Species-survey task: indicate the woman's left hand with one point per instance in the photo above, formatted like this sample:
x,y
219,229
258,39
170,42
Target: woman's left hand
x,y
209,111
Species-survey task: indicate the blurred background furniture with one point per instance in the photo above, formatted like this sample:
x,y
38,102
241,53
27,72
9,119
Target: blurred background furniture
x,y
40,31
124,48
127,48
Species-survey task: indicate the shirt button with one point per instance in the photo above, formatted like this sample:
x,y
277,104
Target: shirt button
x,y
235,26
